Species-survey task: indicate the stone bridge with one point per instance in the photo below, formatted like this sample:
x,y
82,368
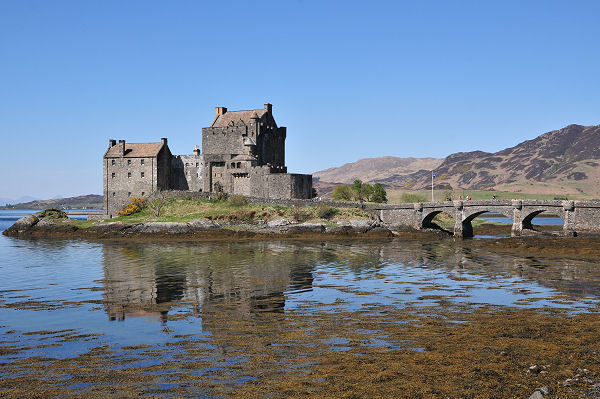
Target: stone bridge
x,y
578,216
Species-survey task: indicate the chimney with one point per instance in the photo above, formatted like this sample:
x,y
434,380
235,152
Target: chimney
x,y
197,150
268,107
163,140
112,143
220,111
121,147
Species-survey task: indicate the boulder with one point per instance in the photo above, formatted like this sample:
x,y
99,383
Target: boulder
x,y
25,222
361,225
161,227
203,224
109,226
46,222
278,223
308,227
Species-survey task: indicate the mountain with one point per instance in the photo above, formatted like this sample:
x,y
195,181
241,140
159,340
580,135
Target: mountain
x,y
90,201
374,169
25,198
565,161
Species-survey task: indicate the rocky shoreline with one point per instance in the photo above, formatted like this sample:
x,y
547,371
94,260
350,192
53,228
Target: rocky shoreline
x,y
199,229
49,226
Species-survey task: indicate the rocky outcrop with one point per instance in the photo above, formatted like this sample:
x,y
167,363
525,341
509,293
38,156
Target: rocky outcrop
x,y
42,225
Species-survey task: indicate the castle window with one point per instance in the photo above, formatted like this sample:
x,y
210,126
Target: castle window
x,y
143,193
129,194
112,162
142,161
239,165
187,164
196,164
142,174
233,165
129,162
112,175
114,193
128,174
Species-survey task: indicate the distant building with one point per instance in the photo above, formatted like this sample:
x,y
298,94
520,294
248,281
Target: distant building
x,y
243,152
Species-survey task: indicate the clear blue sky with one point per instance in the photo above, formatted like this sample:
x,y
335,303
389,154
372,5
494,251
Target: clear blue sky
x,y
349,79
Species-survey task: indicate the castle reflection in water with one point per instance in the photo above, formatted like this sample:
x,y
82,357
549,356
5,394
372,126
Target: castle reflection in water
x,y
152,280
149,279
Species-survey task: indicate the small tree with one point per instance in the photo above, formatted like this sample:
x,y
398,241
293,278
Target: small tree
x,y
157,204
367,192
324,211
342,193
357,190
379,193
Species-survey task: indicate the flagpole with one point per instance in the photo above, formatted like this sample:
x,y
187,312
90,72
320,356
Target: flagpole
x,y
432,186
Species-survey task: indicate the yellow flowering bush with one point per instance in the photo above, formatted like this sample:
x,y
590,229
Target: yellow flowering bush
x,y
134,206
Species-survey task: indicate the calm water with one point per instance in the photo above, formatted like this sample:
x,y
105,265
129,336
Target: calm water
x,y
540,220
63,299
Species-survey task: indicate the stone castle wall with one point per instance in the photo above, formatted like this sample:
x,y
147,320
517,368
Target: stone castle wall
x,y
244,154
187,172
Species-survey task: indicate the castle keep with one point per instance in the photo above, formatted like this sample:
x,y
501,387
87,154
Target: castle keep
x,y
243,152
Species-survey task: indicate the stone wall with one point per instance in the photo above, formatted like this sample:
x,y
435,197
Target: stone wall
x,y
187,172
125,178
578,216
225,140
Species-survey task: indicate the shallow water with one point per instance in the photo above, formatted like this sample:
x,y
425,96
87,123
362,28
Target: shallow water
x,y
68,299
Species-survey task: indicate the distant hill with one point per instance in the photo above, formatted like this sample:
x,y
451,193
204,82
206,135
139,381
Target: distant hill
x,y
26,198
563,161
90,201
374,169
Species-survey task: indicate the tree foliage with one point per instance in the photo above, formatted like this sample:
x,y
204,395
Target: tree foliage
x,y
360,192
342,193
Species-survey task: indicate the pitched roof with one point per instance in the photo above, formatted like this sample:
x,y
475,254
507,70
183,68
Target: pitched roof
x,y
135,150
235,116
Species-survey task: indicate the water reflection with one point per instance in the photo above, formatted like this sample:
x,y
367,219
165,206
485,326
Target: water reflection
x,y
147,280
250,278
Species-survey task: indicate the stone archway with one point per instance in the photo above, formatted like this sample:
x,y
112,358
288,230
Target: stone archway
x,y
467,223
428,220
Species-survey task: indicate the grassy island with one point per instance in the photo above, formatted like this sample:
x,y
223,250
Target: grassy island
x,y
235,210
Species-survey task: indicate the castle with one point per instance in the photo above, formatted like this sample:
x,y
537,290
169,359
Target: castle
x,y
243,152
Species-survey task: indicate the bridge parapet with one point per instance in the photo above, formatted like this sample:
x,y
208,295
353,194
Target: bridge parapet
x,y
578,216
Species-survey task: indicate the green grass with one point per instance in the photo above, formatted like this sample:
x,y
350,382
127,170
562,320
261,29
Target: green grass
x,y
224,212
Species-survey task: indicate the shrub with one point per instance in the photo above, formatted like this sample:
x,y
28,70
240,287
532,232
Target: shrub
x,y
237,200
411,197
134,206
324,211
379,194
220,196
342,193
298,214
53,214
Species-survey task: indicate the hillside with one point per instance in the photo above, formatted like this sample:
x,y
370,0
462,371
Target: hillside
x,y
375,169
90,201
563,161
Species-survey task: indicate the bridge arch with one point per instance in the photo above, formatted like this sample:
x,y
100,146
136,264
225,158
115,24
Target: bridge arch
x,y
468,220
427,222
528,218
